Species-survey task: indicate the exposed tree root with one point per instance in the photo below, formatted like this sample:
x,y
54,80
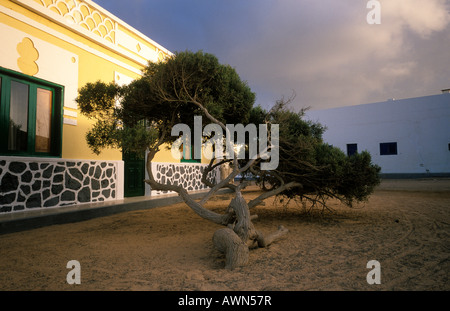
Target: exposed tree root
x,y
264,241
236,251
241,235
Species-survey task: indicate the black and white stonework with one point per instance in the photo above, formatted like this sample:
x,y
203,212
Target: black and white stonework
x,y
187,175
25,185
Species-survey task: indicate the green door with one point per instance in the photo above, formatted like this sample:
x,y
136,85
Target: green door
x,y
134,175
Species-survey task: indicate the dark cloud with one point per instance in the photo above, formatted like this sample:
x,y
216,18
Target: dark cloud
x,y
325,51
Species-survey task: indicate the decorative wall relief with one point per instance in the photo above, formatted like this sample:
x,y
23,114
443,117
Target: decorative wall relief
x,y
80,13
28,55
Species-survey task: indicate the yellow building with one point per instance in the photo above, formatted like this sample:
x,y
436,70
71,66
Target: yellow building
x,y
49,49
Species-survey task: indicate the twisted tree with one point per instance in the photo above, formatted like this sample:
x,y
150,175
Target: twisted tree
x,y
140,117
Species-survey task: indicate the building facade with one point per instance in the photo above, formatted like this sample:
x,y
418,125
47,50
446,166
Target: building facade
x,y
49,49
406,137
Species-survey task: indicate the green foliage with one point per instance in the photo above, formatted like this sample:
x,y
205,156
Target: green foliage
x,y
187,78
323,171
351,178
103,134
360,177
97,100
257,115
140,117
142,114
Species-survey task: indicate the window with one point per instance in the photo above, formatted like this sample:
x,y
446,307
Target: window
x,y
30,115
352,149
388,148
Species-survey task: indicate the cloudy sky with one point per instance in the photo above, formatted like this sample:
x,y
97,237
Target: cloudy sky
x,y
325,51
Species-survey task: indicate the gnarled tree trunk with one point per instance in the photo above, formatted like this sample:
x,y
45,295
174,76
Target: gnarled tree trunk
x,y
235,250
240,235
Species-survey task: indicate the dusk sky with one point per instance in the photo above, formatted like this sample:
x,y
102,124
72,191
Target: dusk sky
x,y
325,51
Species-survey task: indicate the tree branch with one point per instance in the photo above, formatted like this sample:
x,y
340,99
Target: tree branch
x,y
195,206
273,192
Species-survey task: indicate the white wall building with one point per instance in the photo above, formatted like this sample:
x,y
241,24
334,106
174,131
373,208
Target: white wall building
x,y
407,137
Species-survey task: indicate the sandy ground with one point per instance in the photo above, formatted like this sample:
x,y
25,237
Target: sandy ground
x,y
405,226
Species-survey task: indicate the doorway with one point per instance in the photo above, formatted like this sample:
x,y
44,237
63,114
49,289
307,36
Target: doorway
x,y
134,171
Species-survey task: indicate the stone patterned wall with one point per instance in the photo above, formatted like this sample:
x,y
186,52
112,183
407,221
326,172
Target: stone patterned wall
x,y
187,175
33,184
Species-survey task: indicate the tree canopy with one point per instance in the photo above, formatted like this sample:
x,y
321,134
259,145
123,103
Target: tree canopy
x,y
171,92
321,171
140,117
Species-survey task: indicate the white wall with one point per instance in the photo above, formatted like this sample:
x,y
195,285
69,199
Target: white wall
x,y
420,126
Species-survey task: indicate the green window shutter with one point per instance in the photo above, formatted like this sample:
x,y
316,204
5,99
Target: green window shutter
x,y
30,115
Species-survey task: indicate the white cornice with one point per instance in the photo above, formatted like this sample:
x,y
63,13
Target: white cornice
x,y
127,26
